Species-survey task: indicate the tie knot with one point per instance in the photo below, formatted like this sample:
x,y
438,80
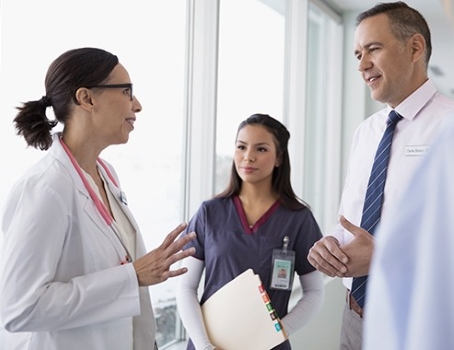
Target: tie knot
x,y
393,117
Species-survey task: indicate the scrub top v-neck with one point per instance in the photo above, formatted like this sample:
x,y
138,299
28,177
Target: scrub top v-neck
x,y
250,229
228,246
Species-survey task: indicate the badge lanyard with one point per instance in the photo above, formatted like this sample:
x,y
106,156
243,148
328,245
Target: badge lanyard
x,y
283,267
100,206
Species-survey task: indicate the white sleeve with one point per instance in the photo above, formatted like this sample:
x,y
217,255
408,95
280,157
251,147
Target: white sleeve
x,y
188,303
339,233
309,304
49,278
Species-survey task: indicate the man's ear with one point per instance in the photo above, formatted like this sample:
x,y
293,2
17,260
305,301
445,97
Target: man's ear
x,y
83,98
418,47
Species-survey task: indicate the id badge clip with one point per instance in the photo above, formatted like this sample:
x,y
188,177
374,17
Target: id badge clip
x,y
283,267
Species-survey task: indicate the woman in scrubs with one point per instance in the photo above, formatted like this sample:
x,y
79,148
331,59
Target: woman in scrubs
x,y
242,227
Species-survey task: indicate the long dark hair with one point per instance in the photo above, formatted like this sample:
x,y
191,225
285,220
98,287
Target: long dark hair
x,y
67,73
281,175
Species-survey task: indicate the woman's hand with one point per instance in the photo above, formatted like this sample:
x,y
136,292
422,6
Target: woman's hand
x,y
154,267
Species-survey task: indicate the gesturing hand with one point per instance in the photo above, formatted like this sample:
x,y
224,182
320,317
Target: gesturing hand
x,y
154,267
359,250
327,257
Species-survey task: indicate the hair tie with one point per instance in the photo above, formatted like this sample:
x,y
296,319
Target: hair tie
x,y
45,102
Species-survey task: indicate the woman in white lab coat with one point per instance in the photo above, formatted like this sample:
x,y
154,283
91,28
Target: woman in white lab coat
x,y
74,270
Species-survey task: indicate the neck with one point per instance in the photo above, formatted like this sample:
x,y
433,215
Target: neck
x,y
85,152
257,194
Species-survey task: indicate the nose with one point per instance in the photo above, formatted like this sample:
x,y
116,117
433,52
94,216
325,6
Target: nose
x,y
136,106
249,157
364,63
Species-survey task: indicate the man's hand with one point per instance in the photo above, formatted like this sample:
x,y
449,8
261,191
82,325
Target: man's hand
x,y
359,250
327,257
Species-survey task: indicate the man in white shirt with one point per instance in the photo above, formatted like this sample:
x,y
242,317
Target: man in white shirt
x,y
410,297
393,48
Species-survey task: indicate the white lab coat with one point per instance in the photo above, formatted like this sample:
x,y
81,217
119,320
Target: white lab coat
x,y
410,303
62,284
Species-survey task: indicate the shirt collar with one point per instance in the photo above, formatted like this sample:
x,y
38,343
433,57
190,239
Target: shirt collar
x,y
413,104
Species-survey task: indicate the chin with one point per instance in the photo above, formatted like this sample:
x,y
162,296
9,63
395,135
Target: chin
x,y
121,141
378,98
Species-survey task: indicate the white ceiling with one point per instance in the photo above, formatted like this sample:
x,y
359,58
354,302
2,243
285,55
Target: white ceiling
x,y
440,17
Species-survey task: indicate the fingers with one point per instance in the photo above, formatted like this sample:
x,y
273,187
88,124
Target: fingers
x,y
183,254
328,258
348,225
177,272
170,238
154,267
172,259
360,249
353,229
177,245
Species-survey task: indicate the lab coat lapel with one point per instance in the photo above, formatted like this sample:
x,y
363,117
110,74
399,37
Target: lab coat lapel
x,y
89,207
120,197
118,194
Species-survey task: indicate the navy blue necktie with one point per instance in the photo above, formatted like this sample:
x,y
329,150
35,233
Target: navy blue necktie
x,y
374,196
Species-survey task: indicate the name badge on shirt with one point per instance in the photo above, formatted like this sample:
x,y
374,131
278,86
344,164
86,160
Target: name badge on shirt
x,y
411,151
283,267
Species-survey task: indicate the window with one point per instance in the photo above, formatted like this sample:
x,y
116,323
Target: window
x,y
251,71
322,128
279,57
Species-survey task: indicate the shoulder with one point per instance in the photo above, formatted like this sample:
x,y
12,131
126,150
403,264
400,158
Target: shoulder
x,y
47,172
53,173
53,170
217,202
301,224
216,206
443,101
214,209
302,215
444,140
45,187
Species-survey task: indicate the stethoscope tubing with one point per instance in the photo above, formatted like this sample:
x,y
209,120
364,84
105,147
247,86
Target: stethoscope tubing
x,y
100,206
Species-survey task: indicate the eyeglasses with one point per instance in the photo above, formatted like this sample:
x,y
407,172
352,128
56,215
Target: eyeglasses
x,y
115,86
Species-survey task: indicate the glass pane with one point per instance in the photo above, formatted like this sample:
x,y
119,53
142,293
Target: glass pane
x,y
148,37
251,71
315,114
321,96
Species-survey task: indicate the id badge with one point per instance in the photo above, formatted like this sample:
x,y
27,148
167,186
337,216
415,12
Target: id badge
x,y
283,267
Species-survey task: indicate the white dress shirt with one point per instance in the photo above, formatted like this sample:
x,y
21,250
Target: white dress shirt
x,y
423,113
410,301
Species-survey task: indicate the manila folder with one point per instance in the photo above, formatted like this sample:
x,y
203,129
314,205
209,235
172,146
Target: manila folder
x,y
240,316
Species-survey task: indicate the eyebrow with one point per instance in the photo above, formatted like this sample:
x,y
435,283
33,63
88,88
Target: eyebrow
x,y
256,144
367,46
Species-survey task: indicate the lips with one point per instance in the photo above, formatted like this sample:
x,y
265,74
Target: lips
x,y
131,122
248,169
371,79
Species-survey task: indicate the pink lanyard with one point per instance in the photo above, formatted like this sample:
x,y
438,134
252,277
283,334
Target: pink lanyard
x,y
98,203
